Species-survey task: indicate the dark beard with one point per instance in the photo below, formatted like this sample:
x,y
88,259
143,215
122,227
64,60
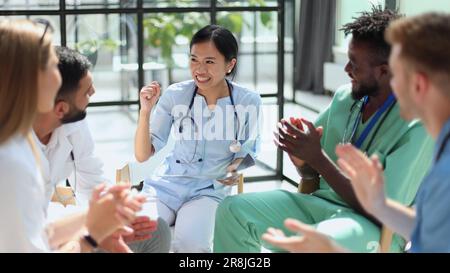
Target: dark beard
x,y
74,116
365,90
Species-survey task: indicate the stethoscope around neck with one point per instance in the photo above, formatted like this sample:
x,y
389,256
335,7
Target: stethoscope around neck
x,y
63,199
378,118
235,146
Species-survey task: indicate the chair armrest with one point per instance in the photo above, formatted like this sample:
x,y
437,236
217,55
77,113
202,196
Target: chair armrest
x,y
241,184
385,239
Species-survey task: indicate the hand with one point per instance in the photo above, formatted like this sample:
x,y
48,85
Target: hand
x,y
232,175
366,176
149,95
231,179
70,247
115,243
128,203
143,228
310,240
299,125
301,146
110,211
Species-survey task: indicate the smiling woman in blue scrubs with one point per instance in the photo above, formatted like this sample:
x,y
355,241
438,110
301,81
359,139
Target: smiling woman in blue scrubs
x,y
215,125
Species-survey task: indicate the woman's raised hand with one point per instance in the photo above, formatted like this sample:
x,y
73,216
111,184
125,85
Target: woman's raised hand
x,y
149,95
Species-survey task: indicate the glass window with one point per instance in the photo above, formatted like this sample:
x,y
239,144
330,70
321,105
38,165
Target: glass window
x,y
177,3
257,36
346,11
29,4
267,157
166,45
110,43
254,3
113,126
100,4
289,48
54,21
413,7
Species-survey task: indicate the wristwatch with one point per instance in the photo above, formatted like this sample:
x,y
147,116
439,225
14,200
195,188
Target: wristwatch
x,y
91,241
307,173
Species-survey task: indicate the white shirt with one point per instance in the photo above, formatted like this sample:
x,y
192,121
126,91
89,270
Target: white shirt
x,y
84,173
22,200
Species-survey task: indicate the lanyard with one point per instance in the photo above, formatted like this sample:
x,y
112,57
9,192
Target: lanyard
x,y
74,171
387,104
357,120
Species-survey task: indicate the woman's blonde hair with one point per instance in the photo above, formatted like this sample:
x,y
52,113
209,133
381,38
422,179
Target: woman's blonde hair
x,y
23,52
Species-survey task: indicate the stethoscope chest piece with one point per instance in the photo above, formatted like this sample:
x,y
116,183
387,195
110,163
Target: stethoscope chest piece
x,y
235,146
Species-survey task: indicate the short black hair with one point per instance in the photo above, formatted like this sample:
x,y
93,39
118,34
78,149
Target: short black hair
x,y
370,26
73,66
222,38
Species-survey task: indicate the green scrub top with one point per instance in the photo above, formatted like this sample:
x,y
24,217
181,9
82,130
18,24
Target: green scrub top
x,y
404,148
405,151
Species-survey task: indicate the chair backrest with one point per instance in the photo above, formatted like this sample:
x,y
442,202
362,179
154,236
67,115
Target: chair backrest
x,y
123,175
64,195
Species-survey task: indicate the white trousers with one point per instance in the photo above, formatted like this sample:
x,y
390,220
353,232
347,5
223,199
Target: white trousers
x,y
193,225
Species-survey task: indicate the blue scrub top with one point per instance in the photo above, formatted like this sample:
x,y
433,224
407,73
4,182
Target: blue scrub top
x,y
177,183
432,230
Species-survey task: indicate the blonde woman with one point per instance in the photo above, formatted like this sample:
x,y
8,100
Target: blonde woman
x,y
29,80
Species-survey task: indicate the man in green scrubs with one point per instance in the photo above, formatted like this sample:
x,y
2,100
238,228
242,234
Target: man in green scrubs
x,y
365,114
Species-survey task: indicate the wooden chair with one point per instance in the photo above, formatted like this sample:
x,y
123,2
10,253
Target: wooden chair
x,y
310,186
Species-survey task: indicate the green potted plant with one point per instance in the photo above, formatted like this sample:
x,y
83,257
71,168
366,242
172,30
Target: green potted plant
x,y
91,47
164,29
